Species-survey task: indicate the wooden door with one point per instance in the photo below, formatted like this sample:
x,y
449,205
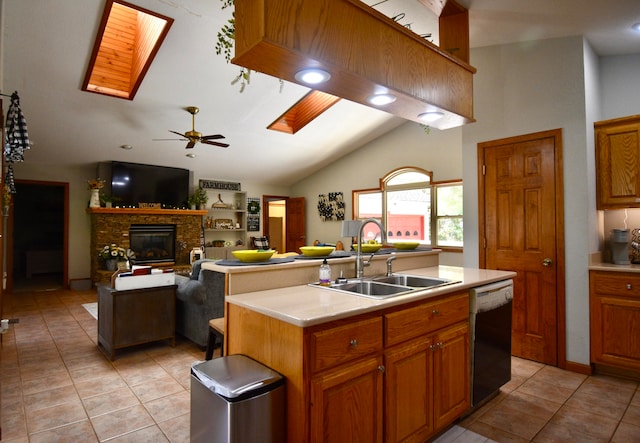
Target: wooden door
x,y
346,404
296,224
521,228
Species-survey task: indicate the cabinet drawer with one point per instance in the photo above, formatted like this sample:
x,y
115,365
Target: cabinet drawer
x,y
616,283
337,345
423,319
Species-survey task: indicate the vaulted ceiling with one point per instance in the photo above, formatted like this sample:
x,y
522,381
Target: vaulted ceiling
x,y
46,50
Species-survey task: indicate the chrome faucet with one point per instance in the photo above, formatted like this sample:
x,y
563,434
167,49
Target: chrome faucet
x,y
360,263
390,264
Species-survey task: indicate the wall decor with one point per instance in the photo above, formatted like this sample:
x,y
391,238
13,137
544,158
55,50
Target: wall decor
x,y
253,223
331,206
220,185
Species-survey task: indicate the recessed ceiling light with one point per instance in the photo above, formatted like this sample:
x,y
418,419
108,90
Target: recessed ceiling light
x,y
312,76
430,117
636,27
381,99
191,155
127,147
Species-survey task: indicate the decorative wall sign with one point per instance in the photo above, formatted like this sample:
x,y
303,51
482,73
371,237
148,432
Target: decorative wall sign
x,y
253,205
253,222
331,206
223,186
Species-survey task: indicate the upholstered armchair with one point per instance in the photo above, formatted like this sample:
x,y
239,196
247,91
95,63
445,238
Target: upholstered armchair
x,y
199,298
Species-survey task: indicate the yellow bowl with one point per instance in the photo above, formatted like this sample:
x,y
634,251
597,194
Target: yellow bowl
x,y
316,251
253,255
406,244
368,247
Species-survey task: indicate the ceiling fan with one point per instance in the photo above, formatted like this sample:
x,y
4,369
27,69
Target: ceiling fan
x,y
194,136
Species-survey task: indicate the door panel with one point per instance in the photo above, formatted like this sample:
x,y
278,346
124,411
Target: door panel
x,y
296,224
521,216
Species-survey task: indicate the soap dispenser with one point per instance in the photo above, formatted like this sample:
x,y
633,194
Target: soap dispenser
x,y
325,273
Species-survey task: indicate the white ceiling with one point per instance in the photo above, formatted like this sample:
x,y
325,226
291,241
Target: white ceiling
x,y
47,45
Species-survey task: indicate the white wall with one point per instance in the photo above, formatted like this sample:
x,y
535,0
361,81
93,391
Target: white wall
x,y
407,145
620,86
526,88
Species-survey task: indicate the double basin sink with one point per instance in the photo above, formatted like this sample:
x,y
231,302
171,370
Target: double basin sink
x,y
386,286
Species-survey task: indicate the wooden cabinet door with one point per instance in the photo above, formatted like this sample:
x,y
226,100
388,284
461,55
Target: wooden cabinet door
x,y
409,391
451,372
615,319
346,403
617,163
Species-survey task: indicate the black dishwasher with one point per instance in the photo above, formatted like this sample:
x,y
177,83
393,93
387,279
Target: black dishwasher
x,y
490,321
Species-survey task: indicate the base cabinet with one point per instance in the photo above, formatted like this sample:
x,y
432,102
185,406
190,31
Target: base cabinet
x,y
401,374
427,380
615,320
346,403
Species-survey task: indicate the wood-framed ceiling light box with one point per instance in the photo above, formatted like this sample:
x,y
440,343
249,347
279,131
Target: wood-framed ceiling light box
x,y
303,112
128,39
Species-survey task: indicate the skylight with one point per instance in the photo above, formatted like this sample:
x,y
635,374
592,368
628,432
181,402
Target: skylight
x,y
128,39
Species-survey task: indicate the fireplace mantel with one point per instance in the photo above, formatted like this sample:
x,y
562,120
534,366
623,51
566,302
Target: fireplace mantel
x,y
146,211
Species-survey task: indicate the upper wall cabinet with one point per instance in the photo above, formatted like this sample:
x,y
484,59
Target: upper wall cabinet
x,y
618,163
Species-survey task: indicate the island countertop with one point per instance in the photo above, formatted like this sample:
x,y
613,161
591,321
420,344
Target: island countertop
x,y
304,305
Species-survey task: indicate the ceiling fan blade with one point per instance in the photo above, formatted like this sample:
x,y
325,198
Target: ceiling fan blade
x,y
212,137
181,135
167,139
191,144
207,142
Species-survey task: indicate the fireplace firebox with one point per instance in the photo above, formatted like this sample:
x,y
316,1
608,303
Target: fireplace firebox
x,y
153,243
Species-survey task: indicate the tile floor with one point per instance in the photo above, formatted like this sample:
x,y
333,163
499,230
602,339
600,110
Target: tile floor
x,y
58,387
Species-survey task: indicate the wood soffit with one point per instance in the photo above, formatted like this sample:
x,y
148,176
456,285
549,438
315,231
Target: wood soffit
x,y
365,52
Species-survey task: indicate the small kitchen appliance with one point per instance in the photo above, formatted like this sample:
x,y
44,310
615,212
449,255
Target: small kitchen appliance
x,y
620,246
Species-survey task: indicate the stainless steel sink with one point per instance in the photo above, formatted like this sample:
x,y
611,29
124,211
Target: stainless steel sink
x,y
368,288
386,286
413,281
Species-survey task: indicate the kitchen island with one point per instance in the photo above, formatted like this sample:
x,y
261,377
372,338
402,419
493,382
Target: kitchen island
x,y
361,369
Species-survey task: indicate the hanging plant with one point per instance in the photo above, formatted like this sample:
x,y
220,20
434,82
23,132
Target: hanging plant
x,y
225,39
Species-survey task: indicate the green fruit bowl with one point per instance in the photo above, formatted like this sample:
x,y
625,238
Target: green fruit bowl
x,y
316,251
406,245
253,255
368,247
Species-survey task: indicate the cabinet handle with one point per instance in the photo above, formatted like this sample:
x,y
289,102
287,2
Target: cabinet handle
x,y
381,368
435,312
353,343
629,286
432,347
440,344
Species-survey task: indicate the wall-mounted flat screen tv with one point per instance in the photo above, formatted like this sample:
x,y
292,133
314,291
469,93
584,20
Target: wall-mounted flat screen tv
x,y
133,183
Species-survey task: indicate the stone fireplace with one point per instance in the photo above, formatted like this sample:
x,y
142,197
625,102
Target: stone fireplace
x,y
112,226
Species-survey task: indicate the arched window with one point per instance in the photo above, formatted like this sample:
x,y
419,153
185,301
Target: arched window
x,y
412,207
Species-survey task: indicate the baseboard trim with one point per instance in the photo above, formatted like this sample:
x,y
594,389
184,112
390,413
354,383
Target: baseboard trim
x,y
579,368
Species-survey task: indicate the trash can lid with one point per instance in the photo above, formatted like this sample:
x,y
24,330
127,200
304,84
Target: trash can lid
x,y
234,375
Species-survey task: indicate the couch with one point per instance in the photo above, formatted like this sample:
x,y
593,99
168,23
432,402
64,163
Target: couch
x,y
199,298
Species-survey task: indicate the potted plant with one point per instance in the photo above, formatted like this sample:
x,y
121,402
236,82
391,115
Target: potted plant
x,y
108,200
198,199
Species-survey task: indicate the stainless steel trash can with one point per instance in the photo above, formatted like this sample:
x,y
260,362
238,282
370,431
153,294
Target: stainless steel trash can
x,y
235,399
